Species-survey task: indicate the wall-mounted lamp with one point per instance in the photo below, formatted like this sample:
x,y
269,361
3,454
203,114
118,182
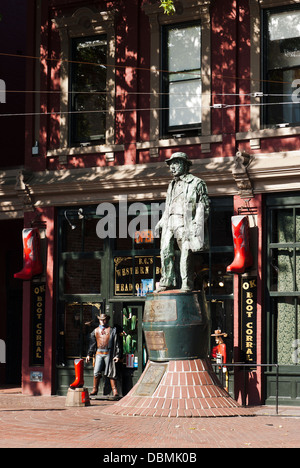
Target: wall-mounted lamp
x,y
80,213
70,224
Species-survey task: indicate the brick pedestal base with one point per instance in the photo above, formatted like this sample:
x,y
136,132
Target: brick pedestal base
x,y
187,388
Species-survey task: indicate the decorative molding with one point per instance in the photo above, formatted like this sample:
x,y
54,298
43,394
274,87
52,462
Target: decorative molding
x,y
23,189
256,136
241,176
83,23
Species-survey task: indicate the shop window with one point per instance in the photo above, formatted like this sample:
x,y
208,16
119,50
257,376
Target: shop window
x,y
136,275
130,336
181,83
281,67
284,282
80,321
82,276
79,232
286,330
284,250
210,270
88,90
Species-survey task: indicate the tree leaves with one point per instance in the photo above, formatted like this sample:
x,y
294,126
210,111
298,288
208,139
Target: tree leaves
x,y
168,6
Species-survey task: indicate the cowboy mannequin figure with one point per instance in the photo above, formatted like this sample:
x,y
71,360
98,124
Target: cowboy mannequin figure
x,y
105,345
183,221
220,348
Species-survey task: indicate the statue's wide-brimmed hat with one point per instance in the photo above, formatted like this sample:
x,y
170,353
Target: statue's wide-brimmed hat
x,y
179,155
103,317
219,333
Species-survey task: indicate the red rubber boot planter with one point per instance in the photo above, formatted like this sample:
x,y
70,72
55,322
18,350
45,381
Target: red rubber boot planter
x,y
79,381
32,263
242,255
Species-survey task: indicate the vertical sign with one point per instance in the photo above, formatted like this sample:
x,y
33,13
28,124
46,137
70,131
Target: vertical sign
x,y
38,324
248,320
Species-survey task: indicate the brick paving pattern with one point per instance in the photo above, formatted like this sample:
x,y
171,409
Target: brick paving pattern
x,y
45,422
187,388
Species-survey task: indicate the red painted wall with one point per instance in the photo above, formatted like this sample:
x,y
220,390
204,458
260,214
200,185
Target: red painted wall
x,y
13,72
46,387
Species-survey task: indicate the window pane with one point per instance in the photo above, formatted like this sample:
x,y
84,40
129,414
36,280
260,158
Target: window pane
x,y
184,46
221,233
82,276
284,25
297,286
136,275
123,276
282,67
80,320
282,226
130,336
72,330
221,283
285,329
144,275
280,88
297,225
185,103
88,85
92,243
182,85
72,237
222,319
282,270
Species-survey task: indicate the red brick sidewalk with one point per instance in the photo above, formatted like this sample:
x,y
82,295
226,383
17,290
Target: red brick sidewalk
x,y
30,422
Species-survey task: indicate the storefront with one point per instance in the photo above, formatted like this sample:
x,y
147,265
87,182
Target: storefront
x,y
282,296
114,274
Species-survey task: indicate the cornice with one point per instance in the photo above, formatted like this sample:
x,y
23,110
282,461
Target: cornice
x,y
21,190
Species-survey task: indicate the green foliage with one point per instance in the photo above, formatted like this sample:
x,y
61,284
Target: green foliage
x,y
168,6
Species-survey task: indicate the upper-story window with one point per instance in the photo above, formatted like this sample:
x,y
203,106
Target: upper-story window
x,y
281,67
181,80
87,80
88,90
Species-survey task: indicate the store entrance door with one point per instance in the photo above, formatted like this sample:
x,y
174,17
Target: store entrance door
x,y
130,316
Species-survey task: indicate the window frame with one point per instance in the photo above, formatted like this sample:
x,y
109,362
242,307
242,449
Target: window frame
x,y
265,121
190,12
74,139
274,203
86,23
167,129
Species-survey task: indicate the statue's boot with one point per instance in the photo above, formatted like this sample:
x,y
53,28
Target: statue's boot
x,y
114,389
95,386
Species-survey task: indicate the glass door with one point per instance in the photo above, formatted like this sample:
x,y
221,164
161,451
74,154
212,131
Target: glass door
x,y
134,349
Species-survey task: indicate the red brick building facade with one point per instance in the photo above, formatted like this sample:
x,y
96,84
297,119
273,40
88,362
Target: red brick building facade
x,y
112,90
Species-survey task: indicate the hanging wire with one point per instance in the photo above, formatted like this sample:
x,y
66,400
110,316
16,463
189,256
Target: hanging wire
x,y
215,106
150,69
146,93
126,93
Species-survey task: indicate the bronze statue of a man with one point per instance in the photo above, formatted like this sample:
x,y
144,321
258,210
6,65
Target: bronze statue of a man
x,y
183,221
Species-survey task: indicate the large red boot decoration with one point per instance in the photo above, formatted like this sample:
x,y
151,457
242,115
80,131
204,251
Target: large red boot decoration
x,y
32,264
242,255
79,367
